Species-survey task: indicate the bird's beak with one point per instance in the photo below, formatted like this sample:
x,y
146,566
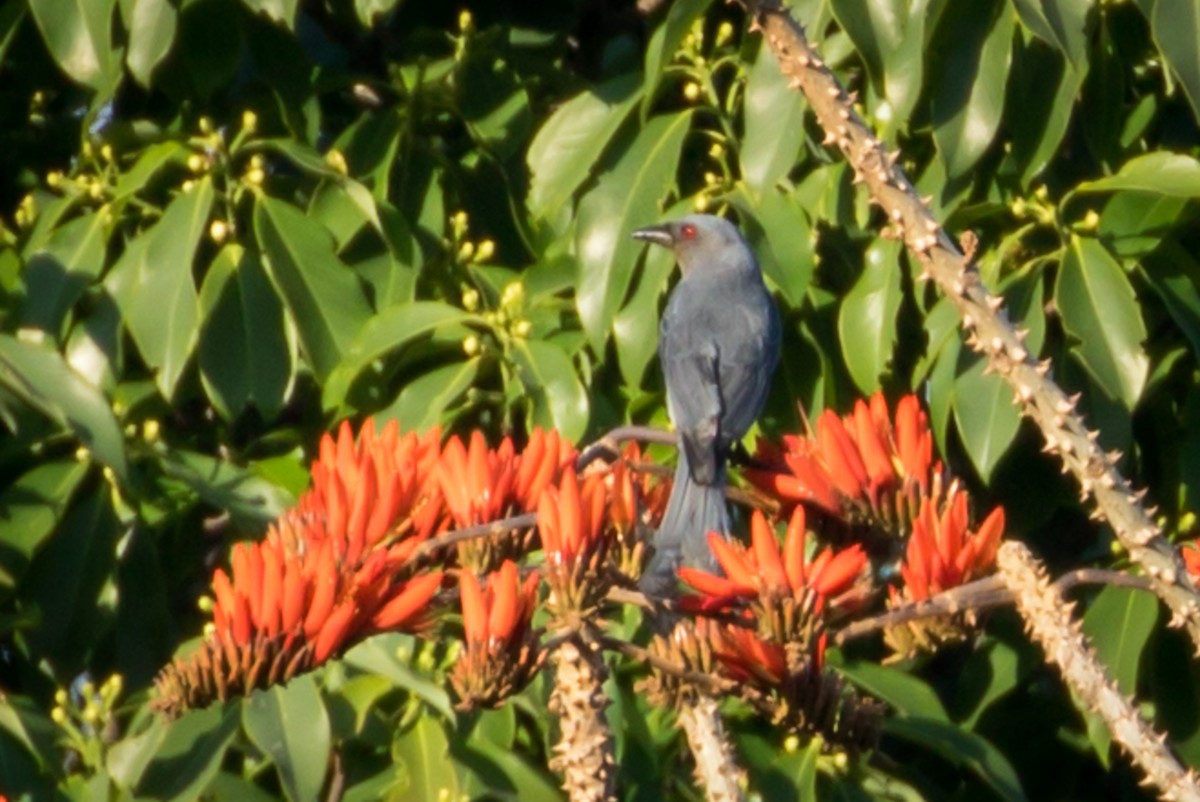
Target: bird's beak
x,y
660,235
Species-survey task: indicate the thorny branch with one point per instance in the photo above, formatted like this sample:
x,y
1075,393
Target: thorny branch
x,y
984,319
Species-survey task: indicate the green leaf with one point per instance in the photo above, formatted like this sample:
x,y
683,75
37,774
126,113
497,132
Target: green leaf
x,y
252,501
1160,172
626,198
664,43
151,28
964,749
1061,23
378,655
78,34
890,35
1100,311
1119,623
1176,29
153,286
984,414
392,329
992,671
908,694
290,724
1171,272
1137,223
778,229
129,757
570,142
324,297
558,398
425,400
190,755
423,755
32,508
246,353
59,272
276,10
867,317
1047,87
43,380
773,120
969,96
368,10
149,163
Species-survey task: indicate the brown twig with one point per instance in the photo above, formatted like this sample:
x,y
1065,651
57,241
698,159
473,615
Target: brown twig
x,y
1048,617
979,596
984,320
492,529
609,445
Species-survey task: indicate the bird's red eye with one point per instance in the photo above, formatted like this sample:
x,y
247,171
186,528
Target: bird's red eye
x,y
688,231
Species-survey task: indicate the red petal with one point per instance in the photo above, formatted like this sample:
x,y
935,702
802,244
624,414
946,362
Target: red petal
x,y
766,553
733,560
474,612
793,550
505,604
416,594
334,631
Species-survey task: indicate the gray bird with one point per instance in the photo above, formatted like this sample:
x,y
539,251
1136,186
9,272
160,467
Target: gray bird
x,y
718,345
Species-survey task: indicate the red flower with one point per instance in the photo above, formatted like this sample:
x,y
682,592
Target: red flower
x,y
1190,552
500,647
328,573
746,657
571,520
496,615
943,553
854,463
764,572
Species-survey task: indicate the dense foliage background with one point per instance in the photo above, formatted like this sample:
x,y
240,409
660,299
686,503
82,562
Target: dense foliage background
x,y
226,225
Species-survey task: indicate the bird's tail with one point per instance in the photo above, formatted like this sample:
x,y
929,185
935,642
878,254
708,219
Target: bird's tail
x,y
693,511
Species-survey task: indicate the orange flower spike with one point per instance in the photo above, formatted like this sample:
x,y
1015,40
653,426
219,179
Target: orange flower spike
x,y
841,455
986,543
253,589
474,609
336,514
953,528
452,479
794,546
272,593
766,555
346,457
400,610
594,500
505,603
1190,552
717,586
243,629
363,499
295,594
570,516
839,573
814,481
874,451
388,501
734,561
913,439
548,524
527,467
334,631
325,586
225,599
879,413
478,476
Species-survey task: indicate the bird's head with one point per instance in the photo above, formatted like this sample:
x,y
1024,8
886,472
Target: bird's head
x,y
701,241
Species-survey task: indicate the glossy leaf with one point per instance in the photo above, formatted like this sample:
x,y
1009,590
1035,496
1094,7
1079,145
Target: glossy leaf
x,y
906,693
277,10
1176,30
59,272
324,297
962,748
1046,85
773,119
424,401
249,499
246,354
379,656
32,508
1160,172
626,198
151,33
665,41
1100,311
890,35
289,723
558,398
190,755
969,97
1119,624
867,318
778,229
40,378
390,330
1062,23
423,754
78,33
153,286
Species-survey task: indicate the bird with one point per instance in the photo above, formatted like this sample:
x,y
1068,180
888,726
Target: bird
x,y
718,345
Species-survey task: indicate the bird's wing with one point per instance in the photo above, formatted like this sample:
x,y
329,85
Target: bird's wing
x,y
689,362
747,363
